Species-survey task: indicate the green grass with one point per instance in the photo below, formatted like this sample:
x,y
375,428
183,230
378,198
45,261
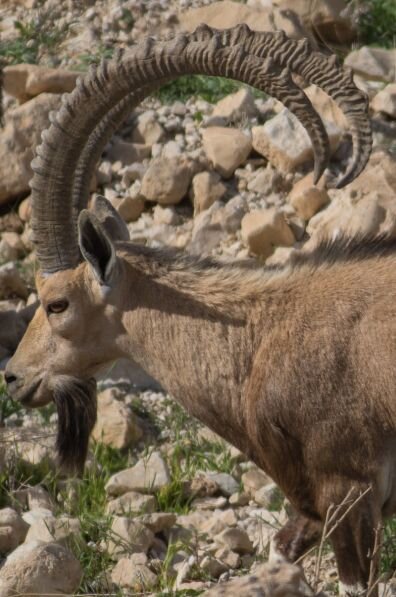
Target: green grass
x,y
35,36
376,22
211,89
388,560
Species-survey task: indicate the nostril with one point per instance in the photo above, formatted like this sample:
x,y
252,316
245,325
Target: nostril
x,y
9,378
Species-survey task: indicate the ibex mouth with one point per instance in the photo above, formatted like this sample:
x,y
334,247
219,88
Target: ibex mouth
x,y
26,395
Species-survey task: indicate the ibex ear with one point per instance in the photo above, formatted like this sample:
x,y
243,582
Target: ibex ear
x,y
110,219
96,247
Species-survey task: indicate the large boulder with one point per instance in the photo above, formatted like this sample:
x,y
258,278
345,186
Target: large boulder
x,y
166,181
40,569
21,134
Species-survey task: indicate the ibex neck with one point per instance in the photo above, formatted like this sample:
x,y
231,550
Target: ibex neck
x,y
200,351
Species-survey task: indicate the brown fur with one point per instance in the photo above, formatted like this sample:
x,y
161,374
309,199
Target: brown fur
x,y
294,365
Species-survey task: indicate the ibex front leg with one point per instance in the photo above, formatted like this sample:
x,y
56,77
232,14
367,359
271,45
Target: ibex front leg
x,y
295,538
353,532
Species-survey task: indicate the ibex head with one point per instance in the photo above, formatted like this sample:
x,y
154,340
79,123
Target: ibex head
x,y
75,330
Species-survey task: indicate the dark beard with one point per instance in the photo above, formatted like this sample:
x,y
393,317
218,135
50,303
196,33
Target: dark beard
x,y
77,406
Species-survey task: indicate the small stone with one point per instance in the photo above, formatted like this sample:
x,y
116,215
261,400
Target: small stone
x,y
225,482
385,101
40,569
239,499
235,539
148,130
166,181
213,567
236,106
148,475
209,503
229,558
13,530
11,283
132,502
130,208
128,536
116,425
158,521
104,173
165,215
254,479
207,188
226,148
136,577
25,210
307,198
33,497
268,496
263,230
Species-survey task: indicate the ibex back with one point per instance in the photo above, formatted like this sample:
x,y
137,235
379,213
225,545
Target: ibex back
x,y
295,366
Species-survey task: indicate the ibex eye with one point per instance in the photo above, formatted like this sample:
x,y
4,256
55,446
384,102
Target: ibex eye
x,y
57,307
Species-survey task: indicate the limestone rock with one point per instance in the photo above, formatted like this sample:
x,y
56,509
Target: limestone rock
x,y
25,81
128,536
40,569
267,496
226,148
236,106
277,580
116,425
130,208
130,574
285,142
21,134
13,530
33,497
148,130
148,475
225,482
265,229
63,530
158,521
225,14
207,188
166,181
132,502
253,480
25,210
212,566
385,101
373,63
235,539
326,107
307,198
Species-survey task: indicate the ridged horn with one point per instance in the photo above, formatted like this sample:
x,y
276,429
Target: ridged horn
x,y
95,107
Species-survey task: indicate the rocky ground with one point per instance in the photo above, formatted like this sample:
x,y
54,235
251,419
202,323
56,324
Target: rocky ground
x,y
166,507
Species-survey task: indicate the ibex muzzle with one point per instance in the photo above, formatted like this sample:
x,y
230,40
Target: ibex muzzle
x,y
295,366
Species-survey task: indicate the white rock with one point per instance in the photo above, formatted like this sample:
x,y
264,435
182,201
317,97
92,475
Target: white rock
x,y
254,479
236,106
148,475
373,63
148,130
40,569
63,530
285,143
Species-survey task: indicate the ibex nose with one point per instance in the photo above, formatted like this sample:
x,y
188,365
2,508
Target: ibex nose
x,y
10,378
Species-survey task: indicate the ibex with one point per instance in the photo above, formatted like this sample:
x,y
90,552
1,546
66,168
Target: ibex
x,y
295,366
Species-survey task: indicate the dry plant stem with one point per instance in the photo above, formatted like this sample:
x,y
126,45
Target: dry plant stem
x,y
328,534
373,582
321,546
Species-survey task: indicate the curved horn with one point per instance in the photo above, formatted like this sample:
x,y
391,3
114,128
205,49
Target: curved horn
x,y
141,69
